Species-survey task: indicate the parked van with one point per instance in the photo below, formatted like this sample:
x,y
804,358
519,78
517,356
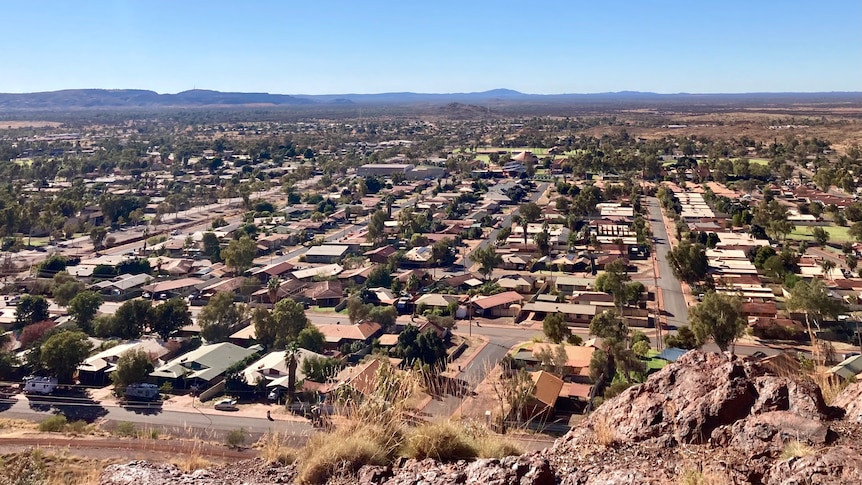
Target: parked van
x,y
143,392
40,385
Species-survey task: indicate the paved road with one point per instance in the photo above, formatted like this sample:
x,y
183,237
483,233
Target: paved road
x,y
674,305
174,422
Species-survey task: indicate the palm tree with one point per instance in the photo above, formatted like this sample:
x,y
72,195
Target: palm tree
x,y
291,356
827,266
272,287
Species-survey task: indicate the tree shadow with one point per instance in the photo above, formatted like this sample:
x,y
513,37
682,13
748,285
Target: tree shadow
x,y
74,404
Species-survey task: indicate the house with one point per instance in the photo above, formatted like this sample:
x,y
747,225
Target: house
x,y
275,270
202,367
326,254
461,282
544,395
273,369
419,256
568,285
96,370
577,315
380,255
849,368
324,271
122,287
338,335
521,284
515,262
181,287
324,293
577,365
438,301
357,276
506,304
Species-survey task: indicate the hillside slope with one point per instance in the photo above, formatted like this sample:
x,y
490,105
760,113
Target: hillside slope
x,y
706,419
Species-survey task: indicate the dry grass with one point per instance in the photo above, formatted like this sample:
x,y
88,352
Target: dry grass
x,y
192,461
796,449
376,430
37,467
440,441
274,449
830,384
603,432
346,450
696,477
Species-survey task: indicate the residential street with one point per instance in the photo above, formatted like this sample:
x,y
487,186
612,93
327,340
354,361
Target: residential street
x,y
673,303
172,421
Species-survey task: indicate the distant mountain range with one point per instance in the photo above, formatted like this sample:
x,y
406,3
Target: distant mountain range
x,y
134,98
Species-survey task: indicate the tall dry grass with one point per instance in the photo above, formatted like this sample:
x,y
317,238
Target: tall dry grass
x,y
381,426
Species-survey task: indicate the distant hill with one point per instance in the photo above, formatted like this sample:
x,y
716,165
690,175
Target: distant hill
x,y
135,98
71,99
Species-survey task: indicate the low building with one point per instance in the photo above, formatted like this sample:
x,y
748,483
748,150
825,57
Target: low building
x,y
326,254
96,370
339,335
506,304
202,367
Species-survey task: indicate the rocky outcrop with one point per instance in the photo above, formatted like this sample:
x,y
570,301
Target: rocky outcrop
x,y
850,400
714,418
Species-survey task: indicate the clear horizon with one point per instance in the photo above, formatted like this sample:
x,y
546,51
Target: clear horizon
x,y
379,46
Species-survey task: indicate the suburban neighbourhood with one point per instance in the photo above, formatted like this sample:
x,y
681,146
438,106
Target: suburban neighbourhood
x,y
525,285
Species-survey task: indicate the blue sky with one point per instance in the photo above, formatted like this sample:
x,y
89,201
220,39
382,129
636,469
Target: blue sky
x,y
371,46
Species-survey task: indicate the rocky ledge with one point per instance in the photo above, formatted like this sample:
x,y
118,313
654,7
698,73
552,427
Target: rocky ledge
x,y
708,418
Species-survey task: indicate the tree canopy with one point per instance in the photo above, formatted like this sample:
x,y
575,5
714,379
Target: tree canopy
x,y
718,318
219,317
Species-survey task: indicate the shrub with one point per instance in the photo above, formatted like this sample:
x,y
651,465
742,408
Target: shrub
x,y
440,441
166,388
236,438
345,451
53,424
125,429
77,427
275,450
796,449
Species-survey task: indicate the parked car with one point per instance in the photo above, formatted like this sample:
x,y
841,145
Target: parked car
x,y
274,395
226,405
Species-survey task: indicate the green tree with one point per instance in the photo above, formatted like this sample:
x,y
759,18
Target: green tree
x,y
211,247
688,261
608,325
63,352
555,328
613,281
265,331
683,339
376,226
132,318
855,231
169,317
83,308
425,348
290,320
133,366
97,237
31,309
311,338
239,254
718,317
487,259
530,211
812,298
441,252
219,317
64,288
820,236
319,369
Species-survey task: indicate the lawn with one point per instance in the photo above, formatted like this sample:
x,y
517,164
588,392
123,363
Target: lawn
x,y
837,234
